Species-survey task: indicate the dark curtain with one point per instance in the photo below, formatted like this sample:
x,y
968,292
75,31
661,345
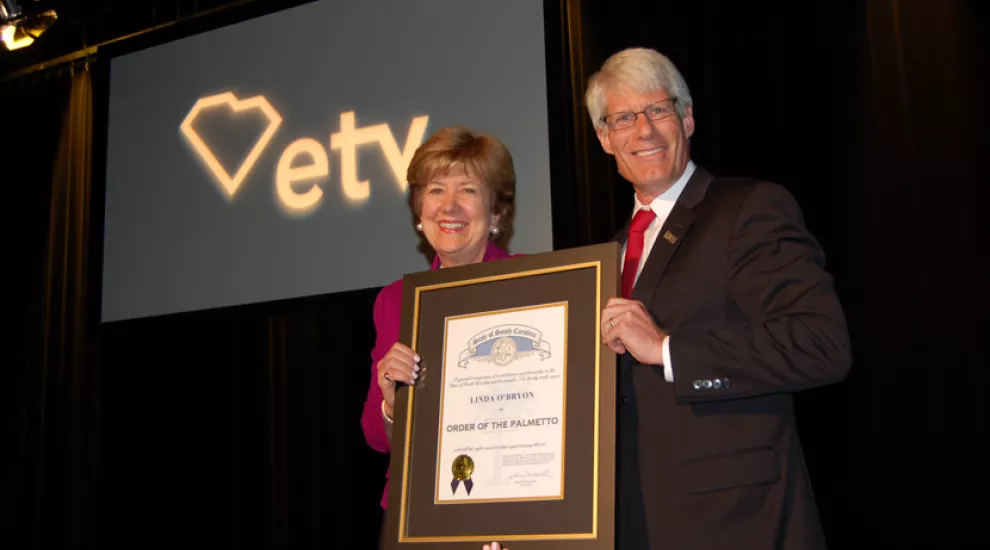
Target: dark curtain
x,y
52,422
68,385
28,141
240,428
920,412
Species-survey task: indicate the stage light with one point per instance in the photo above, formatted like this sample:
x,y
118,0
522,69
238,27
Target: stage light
x,y
18,30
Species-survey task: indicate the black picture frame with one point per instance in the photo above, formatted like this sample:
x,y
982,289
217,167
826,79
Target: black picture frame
x,y
585,278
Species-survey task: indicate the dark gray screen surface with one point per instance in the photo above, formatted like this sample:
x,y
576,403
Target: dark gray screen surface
x,y
194,220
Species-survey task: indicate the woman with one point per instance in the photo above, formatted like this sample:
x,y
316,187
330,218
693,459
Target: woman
x,y
461,194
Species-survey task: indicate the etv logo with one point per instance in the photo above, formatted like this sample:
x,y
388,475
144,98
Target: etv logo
x,y
289,176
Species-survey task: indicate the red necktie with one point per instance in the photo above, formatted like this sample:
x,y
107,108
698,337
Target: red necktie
x,y
634,249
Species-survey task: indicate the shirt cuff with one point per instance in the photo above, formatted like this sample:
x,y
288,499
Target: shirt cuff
x,y
668,369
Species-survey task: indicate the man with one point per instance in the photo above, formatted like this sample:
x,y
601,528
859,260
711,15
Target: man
x,y
727,311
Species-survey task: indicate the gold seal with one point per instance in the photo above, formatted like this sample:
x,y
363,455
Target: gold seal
x,y
504,351
462,468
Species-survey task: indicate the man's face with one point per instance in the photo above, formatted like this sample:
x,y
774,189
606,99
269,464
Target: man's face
x,y
651,154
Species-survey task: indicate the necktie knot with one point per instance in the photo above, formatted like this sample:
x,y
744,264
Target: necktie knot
x,y
634,249
642,220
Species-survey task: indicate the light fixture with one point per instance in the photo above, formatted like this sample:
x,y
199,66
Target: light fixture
x,y
18,30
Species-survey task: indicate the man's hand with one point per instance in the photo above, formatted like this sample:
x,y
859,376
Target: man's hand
x,y
627,326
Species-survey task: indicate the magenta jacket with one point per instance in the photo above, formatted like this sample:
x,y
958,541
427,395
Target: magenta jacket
x,y
387,315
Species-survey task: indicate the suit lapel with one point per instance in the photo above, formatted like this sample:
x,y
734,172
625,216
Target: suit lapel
x,y
671,236
668,241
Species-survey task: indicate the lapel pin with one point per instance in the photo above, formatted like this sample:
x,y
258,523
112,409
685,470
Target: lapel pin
x,y
669,237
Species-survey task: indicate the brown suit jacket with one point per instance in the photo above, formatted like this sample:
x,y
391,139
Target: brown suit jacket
x,y
713,460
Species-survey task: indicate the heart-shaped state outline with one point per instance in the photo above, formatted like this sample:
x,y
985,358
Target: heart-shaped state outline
x,y
230,184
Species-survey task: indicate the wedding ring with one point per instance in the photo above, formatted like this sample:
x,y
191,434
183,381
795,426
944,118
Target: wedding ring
x,y
387,378
610,321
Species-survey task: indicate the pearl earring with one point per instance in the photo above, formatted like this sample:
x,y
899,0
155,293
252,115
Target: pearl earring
x,y
495,231
419,226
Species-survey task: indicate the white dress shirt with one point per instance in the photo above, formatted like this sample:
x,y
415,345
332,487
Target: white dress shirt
x,y
661,206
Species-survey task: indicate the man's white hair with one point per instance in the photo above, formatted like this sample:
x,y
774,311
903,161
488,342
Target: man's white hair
x,y
639,70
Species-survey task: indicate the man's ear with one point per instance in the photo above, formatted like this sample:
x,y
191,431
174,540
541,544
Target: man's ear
x,y
688,121
603,138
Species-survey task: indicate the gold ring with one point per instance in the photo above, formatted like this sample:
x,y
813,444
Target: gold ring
x,y
612,322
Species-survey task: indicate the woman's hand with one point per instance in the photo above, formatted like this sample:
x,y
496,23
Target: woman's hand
x,y
400,364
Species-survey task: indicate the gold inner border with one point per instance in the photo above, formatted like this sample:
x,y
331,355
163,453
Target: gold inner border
x,y
403,506
563,422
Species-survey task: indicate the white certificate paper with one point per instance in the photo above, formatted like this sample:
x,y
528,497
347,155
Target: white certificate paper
x,y
502,406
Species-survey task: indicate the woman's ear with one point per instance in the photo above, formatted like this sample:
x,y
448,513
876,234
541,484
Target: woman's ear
x,y
497,217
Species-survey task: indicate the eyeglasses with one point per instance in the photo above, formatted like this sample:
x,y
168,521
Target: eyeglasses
x,y
623,120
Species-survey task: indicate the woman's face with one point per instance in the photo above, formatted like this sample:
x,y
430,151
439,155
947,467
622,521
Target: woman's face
x,y
456,215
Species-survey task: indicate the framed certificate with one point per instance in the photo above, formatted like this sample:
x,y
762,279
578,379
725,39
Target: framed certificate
x,y
509,433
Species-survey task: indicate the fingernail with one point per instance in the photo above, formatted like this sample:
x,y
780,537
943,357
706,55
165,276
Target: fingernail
x,y
415,376
416,368
416,357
